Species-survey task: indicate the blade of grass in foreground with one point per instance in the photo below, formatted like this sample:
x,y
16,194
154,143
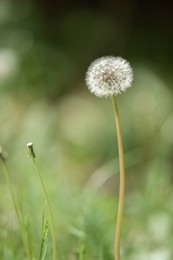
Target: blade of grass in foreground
x,y
82,252
16,207
37,170
44,239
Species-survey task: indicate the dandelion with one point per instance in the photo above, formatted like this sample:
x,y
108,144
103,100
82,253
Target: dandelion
x,y
108,77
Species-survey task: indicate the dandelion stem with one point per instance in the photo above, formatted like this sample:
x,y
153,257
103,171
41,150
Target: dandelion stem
x,y
32,154
18,212
122,180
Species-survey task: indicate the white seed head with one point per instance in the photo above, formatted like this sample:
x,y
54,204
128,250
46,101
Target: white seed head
x,y
31,150
30,144
109,76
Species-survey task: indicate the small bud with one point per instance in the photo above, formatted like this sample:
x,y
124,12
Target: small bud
x,y
108,76
31,150
3,154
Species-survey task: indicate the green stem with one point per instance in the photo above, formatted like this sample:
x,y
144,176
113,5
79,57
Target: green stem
x,y
49,208
18,212
122,180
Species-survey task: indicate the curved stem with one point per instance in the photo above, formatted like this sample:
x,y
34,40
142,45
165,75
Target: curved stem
x,y
122,180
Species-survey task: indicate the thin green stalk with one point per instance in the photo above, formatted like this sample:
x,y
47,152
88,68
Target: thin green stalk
x,y
18,212
49,208
32,154
122,180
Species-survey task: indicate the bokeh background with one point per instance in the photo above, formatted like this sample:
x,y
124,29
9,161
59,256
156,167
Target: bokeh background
x,y
45,50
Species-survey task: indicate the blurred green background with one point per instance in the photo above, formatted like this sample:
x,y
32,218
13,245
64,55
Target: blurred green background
x,y
45,50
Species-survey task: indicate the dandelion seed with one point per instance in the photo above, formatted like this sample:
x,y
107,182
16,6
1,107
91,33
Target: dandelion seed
x,y
109,76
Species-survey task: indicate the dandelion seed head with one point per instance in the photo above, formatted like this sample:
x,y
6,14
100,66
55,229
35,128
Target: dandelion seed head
x,y
30,144
109,76
31,150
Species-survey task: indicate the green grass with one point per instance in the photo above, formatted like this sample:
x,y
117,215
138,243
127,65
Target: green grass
x,y
75,153
85,223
